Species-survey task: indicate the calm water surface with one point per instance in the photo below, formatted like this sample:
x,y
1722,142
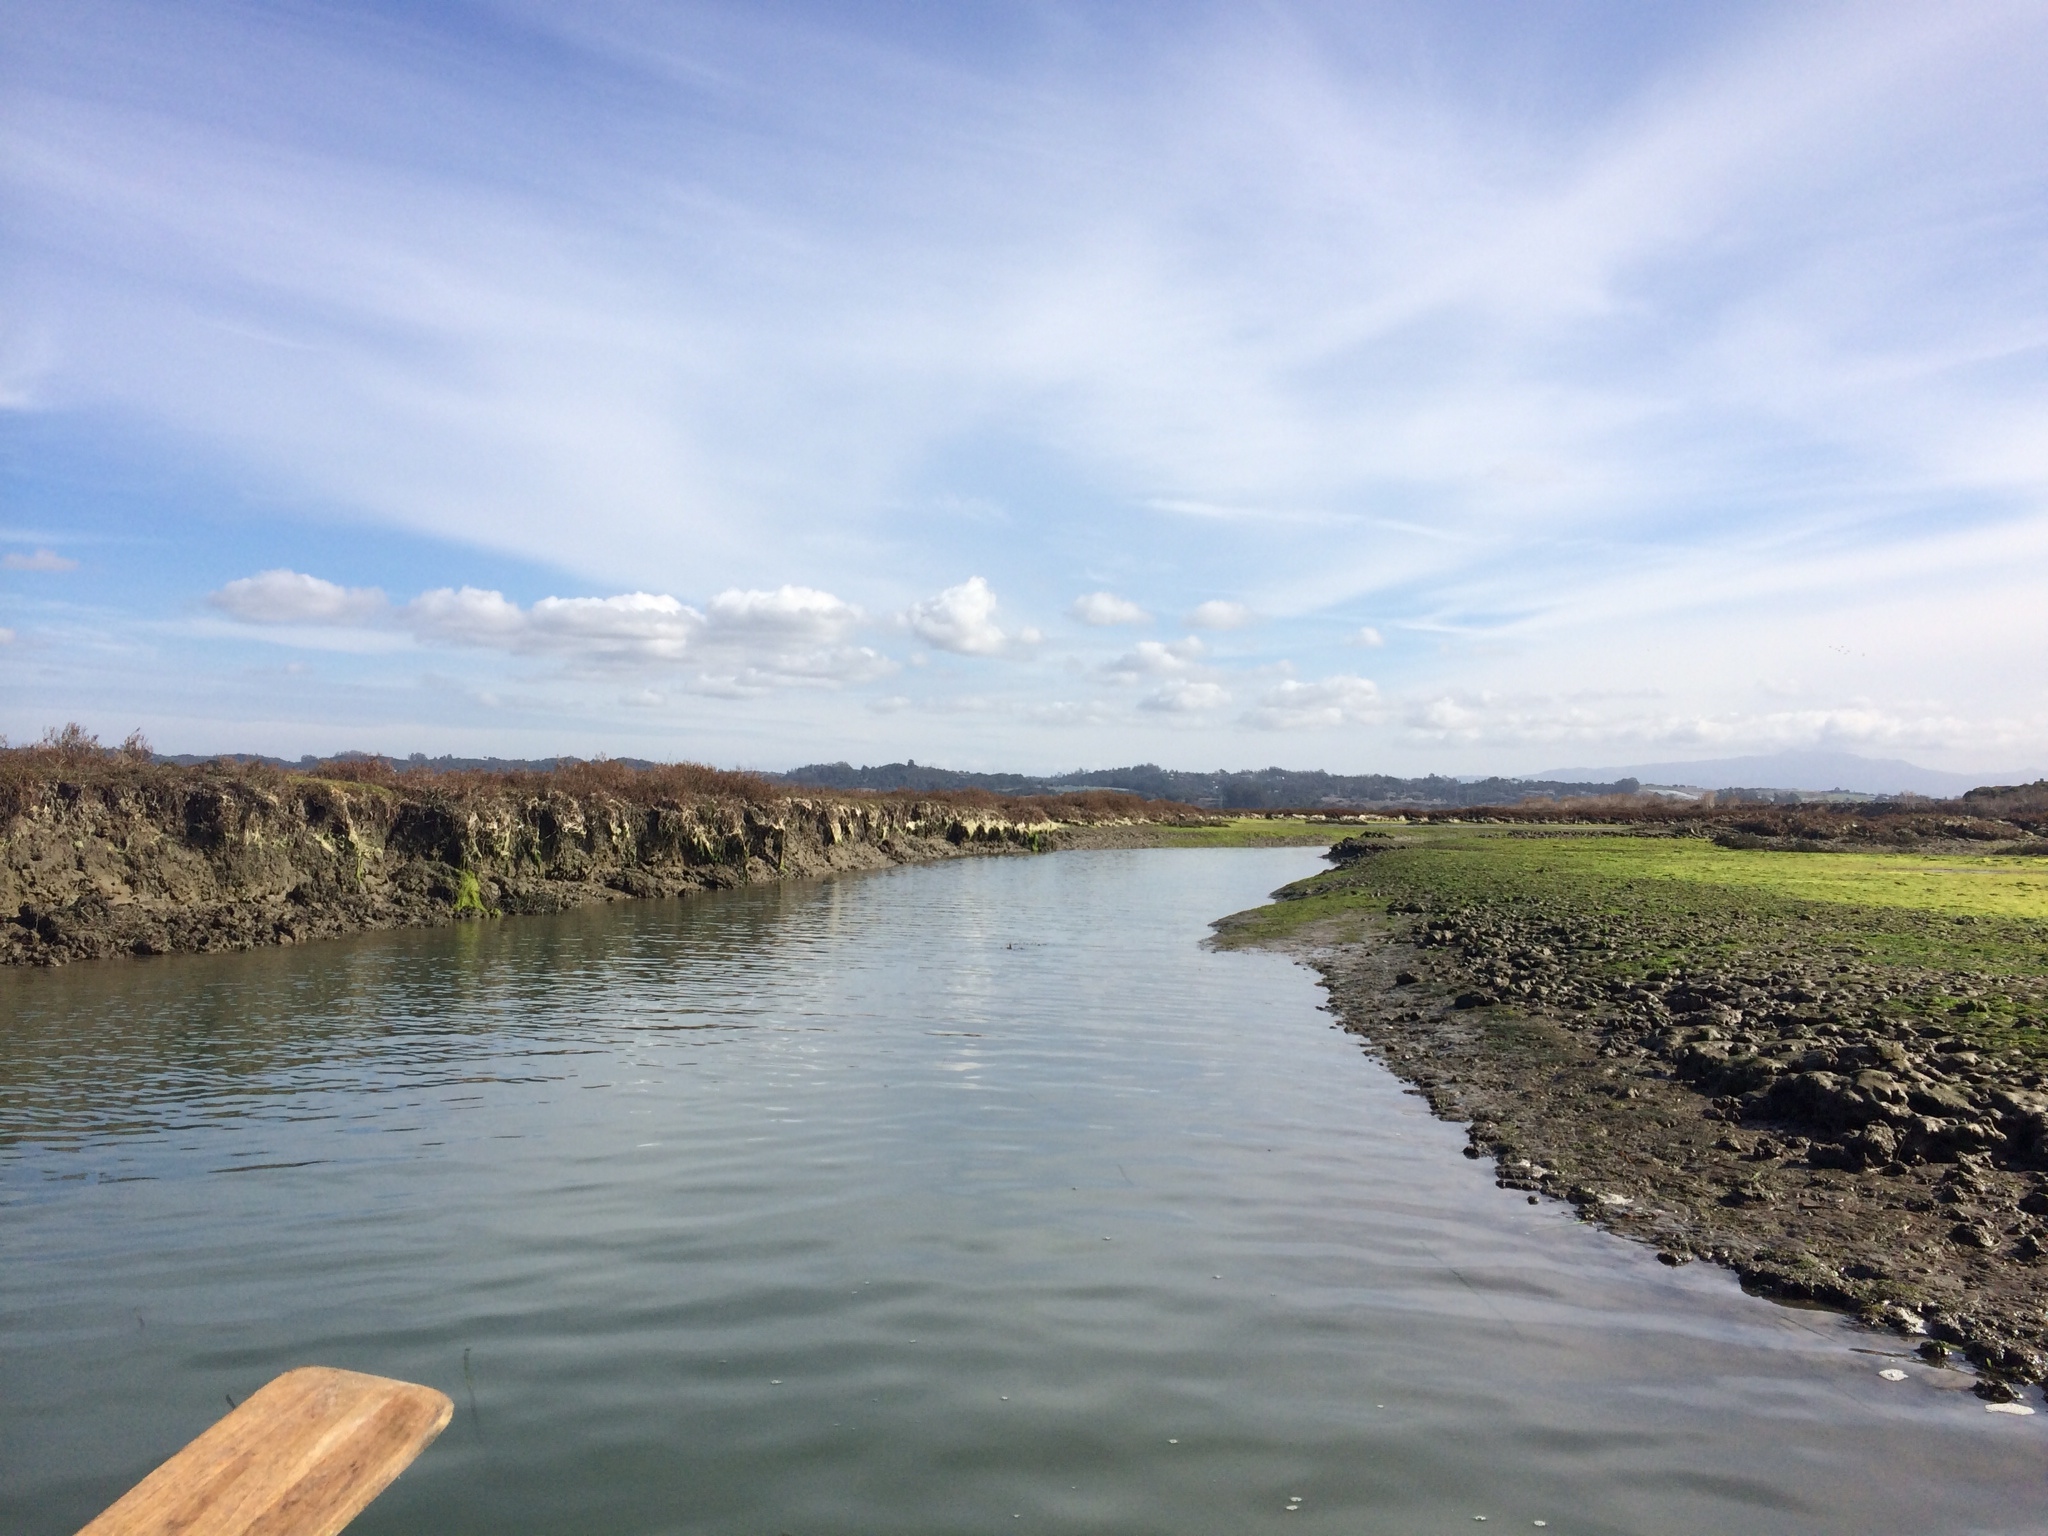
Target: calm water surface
x,y
972,1198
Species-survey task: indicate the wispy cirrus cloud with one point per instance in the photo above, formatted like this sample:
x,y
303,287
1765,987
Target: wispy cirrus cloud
x,y
41,560
1636,349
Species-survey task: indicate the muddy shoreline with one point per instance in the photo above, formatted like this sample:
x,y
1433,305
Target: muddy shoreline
x,y
1755,1114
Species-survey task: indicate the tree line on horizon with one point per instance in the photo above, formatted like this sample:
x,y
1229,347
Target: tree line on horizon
x,y
1249,789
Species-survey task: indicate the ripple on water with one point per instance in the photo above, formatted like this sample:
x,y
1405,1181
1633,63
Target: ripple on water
x,y
786,1209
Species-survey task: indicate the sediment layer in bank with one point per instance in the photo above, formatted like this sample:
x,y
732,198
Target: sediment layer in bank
x,y
104,853
1826,1071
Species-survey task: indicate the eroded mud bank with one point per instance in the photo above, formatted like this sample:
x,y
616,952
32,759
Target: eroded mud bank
x,y
212,861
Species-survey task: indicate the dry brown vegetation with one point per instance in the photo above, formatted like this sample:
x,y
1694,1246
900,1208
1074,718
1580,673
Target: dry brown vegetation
x,y
76,760
2017,815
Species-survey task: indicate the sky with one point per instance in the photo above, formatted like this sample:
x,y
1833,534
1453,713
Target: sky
x,y
1472,387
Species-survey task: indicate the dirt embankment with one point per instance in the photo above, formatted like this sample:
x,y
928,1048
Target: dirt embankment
x,y
1764,1103
105,859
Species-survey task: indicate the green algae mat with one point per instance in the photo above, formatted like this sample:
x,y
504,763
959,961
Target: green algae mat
x,y
1966,935
1254,832
1664,867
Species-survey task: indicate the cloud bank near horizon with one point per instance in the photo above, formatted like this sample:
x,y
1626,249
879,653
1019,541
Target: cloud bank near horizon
x,y
1623,382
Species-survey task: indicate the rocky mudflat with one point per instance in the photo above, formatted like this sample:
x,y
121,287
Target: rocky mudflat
x,y
1844,1103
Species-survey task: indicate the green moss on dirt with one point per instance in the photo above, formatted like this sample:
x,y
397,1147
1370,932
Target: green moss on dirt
x,y
1823,1069
1957,939
1251,832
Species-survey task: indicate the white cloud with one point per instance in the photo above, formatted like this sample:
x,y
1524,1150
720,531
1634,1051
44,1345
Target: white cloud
x,y
631,628
1368,637
1071,712
6,637
634,626
754,641
1630,725
748,642
1104,609
960,619
1763,285
1446,718
1180,695
41,560
794,612
1156,658
1295,705
467,616
1218,613
290,597
735,674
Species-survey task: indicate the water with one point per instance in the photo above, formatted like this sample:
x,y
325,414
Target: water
x,y
972,1198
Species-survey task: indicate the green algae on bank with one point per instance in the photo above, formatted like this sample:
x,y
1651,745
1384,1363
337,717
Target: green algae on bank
x,y
1823,1069
1963,936
1251,832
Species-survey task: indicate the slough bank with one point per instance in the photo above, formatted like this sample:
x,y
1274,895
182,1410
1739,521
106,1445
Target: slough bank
x,y
1824,1070
101,856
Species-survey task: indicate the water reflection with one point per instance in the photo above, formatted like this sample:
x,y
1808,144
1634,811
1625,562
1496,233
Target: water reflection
x,y
965,1198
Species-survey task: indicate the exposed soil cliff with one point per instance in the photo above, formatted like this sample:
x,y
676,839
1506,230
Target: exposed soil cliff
x,y
103,857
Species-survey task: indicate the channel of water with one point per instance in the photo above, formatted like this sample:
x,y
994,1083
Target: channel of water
x,y
975,1197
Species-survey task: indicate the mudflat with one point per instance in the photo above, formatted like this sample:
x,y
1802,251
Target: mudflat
x,y
1825,1069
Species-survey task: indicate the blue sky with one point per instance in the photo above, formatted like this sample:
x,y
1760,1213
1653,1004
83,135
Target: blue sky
x,y
1458,387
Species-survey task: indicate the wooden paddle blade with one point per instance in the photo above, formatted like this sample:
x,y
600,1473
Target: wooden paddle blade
x,y
301,1457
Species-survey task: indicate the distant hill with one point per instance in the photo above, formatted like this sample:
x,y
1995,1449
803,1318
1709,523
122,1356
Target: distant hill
x,y
1812,771
1246,789
1780,775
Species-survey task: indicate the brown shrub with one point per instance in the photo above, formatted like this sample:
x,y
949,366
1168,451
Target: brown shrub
x,y
73,758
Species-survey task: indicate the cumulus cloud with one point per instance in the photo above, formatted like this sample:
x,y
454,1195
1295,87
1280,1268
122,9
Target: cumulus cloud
x,y
1156,658
753,641
1294,705
632,627
959,619
41,560
746,642
1104,609
291,597
1219,613
1368,637
1182,696
799,612
466,616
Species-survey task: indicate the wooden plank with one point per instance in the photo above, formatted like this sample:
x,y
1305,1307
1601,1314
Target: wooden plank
x,y
301,1457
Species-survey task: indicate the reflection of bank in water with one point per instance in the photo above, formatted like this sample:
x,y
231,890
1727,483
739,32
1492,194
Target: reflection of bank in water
x,y
699,1183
